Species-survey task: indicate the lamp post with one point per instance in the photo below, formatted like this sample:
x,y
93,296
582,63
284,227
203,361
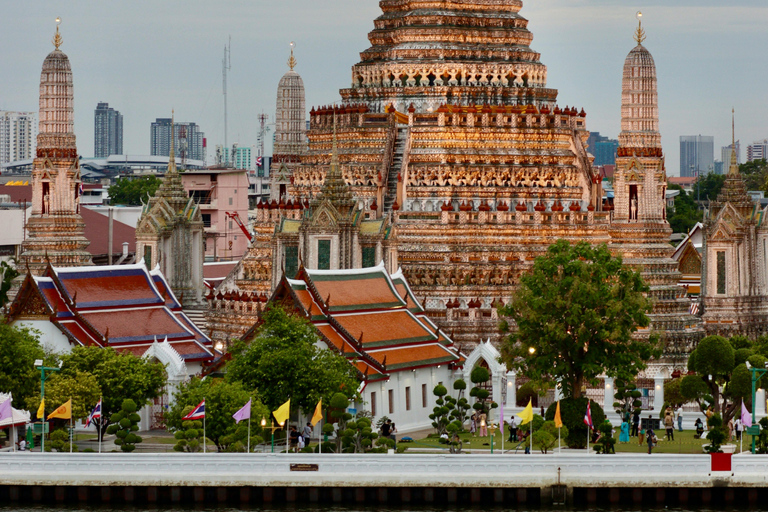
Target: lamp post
x,y
272,428
39,365
756,374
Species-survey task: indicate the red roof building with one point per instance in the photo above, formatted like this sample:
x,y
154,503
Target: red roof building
x,y
373,319
126,307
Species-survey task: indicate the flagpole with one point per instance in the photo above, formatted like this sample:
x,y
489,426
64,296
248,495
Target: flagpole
x,y
559,448
249,432
320,437
531,451
101,418
204,443
71,429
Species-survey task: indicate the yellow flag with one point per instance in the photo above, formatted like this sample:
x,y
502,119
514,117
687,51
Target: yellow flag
x,y
282,413
41,409
526,414
558,420
64,411
318,413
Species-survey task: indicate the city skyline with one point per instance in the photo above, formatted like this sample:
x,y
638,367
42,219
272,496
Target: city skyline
x,y
147,64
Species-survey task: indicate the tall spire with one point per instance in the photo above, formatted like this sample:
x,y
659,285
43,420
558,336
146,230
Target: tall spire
x,y
57,39
335,188
734,169
171,153
639,33
292,60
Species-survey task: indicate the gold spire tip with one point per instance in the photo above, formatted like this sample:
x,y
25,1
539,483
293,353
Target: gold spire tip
x,y
57,39
292,60
639,33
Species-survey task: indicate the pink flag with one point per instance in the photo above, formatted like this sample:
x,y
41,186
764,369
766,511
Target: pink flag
x,y
746,418
5,410
244,413
501,416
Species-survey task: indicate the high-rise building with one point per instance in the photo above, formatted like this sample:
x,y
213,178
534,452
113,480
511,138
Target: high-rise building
x,y
603,149
726,152
697,155
757,151
719,167
18,134
107,131
187,139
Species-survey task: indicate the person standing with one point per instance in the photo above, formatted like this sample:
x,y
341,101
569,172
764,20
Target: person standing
x,y
651,439
386,429
737,426
473,425
635,423
307,433
483,425
512,430
669,424
624,436
680,418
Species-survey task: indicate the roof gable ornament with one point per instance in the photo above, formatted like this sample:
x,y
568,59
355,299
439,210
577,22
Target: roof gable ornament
x,y
57,39
292,61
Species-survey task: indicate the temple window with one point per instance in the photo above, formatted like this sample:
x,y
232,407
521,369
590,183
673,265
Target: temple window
x,y
291,260
324,254
148,256
721,272
369,256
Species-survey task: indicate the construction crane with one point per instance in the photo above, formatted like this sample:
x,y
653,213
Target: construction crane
x,y
235,217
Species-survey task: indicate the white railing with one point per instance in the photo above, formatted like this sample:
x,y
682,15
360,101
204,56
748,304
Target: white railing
x,y
393,470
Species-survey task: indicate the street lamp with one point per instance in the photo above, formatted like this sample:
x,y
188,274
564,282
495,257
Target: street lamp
x,y
272,428
532,350
39,365
756,374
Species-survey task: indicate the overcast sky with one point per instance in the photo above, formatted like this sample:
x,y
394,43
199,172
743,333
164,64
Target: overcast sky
x,y
146,57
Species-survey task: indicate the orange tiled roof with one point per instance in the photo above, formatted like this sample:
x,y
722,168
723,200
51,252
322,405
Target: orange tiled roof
x,y
420,355
371,289
385,328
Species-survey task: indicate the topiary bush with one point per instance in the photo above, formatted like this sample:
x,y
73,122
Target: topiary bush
x,y
572,411
124,423
717,435
59,441
525,393
191,434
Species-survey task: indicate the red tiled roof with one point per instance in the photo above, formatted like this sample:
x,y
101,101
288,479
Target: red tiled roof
x,y
77,331
97,231
128,285
412,356
390,326
370,290
136,324
18,193
218,270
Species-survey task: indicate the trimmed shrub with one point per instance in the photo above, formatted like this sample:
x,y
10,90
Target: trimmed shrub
x,y
572,411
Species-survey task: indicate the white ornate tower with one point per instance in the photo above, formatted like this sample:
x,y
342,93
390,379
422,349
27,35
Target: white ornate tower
x,y
56,229
639,226
290,129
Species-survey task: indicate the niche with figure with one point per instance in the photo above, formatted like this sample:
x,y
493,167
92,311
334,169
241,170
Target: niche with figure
x,y
633,206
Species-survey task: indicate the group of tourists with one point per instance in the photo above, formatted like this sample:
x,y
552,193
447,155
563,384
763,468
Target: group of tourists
x,y
300,439
478,425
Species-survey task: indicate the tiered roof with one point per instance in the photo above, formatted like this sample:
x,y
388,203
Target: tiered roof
x,y
370,317
126,307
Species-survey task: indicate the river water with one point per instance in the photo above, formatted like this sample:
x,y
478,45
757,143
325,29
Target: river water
x,y
321,508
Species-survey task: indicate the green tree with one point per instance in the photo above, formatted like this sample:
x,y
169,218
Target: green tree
x,y
222,400
81,387
576,313
672,393
708,187
120,376
338,409
721,378
572,412
358,436
686,212
627,397
283,362
124,424
755,174
132,191
459,414
19,348
7,275
189,435
480,375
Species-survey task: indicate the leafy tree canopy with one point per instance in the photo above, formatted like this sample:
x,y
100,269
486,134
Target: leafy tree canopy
x,y
7,275
120,376
721,379
19,347
132,191
708,187
222,400
283,362
81,387
575,313
686,212
755,175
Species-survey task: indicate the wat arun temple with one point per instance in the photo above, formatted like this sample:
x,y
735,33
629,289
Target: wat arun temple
x,y
449,157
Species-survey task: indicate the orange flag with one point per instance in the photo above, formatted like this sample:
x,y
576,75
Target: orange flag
x,y
64,411
558,420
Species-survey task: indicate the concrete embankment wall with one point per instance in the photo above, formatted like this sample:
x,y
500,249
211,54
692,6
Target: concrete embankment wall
x,y
664,479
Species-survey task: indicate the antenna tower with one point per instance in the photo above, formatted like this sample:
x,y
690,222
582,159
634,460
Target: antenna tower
x,y
226,65
183,145
263,118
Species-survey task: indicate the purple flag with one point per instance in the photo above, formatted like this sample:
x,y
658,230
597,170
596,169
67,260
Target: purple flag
x,y
501,418
746,418
5,410
244,413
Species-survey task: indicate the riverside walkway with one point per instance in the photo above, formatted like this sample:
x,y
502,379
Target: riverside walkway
x,y
402,478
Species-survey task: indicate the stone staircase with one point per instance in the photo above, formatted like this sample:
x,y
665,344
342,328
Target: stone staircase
x,y
397,164
197,316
